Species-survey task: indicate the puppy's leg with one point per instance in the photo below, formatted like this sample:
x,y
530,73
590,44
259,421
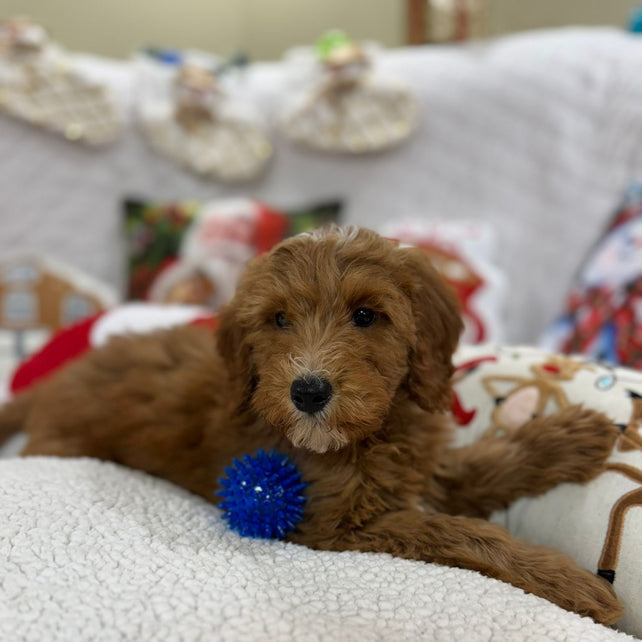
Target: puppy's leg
x,y
570,446
13,414
14,417
53,447
481,546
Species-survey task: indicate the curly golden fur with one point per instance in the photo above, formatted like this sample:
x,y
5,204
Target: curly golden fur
x,y
182,403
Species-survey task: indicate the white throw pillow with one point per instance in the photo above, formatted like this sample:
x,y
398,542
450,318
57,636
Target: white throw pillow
x,y
598,524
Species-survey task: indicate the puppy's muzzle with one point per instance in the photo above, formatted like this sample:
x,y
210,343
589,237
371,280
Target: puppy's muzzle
x,y
310,394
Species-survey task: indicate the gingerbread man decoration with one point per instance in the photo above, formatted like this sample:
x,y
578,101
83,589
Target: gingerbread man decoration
x,y
530,397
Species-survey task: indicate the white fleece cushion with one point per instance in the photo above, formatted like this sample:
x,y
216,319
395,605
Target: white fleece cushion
x,y
94,551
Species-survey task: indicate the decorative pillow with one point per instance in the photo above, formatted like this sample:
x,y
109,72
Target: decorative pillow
x,y
72,342
598,524
38,291
603,315
193,252
462,252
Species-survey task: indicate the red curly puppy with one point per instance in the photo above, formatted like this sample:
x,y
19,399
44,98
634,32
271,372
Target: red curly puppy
x,y
336,350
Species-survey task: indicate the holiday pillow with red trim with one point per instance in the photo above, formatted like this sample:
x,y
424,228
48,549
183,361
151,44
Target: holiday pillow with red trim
x,y
462,251
74,341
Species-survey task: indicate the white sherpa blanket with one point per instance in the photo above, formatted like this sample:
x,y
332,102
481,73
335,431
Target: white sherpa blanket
x,y
93,551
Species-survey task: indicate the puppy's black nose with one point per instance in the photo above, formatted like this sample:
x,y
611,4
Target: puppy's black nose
x,y
310,394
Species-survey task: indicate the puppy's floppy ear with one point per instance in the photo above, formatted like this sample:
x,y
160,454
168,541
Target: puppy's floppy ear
x,y
231,346
438,326
231,339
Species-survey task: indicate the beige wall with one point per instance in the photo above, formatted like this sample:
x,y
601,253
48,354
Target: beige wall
x,y
265,28
516,15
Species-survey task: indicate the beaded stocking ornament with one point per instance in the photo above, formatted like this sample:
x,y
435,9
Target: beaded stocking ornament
x,y
349,109
39,84
190,118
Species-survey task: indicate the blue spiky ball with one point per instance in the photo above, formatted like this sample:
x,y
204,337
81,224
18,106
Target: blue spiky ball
x,y
262,495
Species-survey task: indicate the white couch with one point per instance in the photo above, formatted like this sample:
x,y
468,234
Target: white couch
x,y
537,134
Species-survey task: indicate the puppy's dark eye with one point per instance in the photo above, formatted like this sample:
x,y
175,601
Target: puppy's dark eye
x,y
280,320
364,317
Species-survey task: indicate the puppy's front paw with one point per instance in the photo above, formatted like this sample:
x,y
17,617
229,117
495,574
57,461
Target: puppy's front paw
x,y
572,444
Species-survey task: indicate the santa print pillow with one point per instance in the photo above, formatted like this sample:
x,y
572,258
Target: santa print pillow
x,y
193,253
72,342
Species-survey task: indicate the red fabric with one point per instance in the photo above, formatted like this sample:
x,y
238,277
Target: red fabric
x,y
206,322
462,416
271,228
262,232
66,345
470,365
